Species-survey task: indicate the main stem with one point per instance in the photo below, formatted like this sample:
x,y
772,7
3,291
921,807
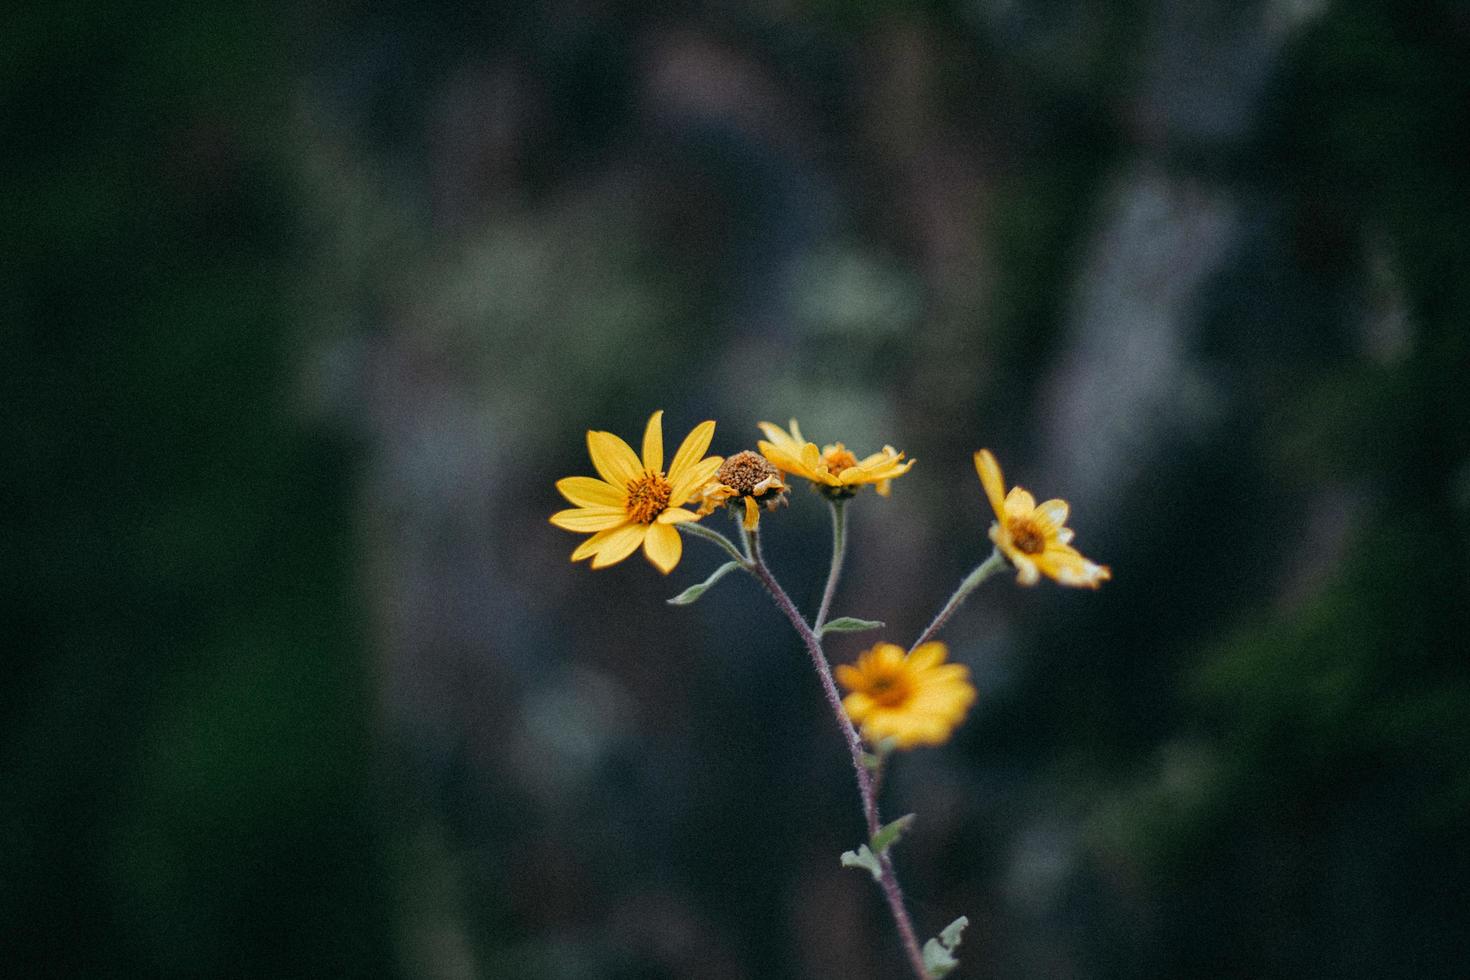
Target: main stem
x,y
839,550
983,571
889,881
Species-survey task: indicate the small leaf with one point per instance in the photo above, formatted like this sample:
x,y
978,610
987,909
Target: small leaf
x,y
939,956
848,624
889,833
863,858
950,934
938,961
695,591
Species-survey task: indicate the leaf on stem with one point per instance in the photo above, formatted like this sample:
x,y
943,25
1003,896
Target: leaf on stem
x,y
890,833
863,858
848,624
939,956
692,593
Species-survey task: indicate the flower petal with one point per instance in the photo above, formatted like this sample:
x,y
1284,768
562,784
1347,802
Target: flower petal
x,y
619,544
992,481
752,514
1019,503
653,443
848,676
586,491
663,545
1054,512
691,449
614,458
927,656
694,476
1026,572
592,545
676,515
585,519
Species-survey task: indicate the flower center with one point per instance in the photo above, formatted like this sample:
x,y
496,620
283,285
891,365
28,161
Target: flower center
x,y
744,471
1026,536
838,458
648,497
889,690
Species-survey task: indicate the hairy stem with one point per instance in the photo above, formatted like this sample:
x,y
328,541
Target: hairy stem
x,y
983,571
716,538
889,880
839,551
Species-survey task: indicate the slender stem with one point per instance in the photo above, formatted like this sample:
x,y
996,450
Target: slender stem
x,y
714,537
889,880
839,551
983,571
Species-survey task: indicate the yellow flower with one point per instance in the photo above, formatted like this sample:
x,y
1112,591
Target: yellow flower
x,y
749,476
636,502
1034,537
834,469
914,699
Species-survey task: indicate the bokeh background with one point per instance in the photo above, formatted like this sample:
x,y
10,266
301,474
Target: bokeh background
x,y
306,307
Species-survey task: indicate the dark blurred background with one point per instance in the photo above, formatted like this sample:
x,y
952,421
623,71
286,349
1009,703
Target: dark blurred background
x,y
305,308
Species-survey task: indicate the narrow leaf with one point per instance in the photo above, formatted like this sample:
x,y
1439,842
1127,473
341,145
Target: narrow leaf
x,y
950,934
939,956
848,624
938,961
695,591
863,858
889,833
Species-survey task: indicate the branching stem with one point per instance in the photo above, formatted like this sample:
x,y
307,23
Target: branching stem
x,y
839,551
889,881
983,571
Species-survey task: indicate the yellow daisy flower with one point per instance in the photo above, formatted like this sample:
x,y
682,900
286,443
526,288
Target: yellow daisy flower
x,y
914,698
748,476
833,469
636,502
1034,537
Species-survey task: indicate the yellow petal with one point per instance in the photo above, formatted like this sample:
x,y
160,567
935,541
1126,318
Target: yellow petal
x,y
848,676
614,458
992,481
1019,503
752,514
1026,572
694,476
592,545
796,435
929,655
621,542
653,443
663,545
676,515
1054,512
857,705
589,518
586,491
691,449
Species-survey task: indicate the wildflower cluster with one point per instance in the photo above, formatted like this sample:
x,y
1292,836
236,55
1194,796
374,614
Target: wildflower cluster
x,y
897,698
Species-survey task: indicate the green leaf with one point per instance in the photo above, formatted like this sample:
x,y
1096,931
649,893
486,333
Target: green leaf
x,y
863,858
889,833
848,624
692,593
939,956
950,935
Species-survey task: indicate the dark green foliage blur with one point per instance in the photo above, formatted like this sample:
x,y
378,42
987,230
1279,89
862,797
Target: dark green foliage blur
x,y
305,309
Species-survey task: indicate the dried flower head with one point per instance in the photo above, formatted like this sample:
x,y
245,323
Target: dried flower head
x,y
749,477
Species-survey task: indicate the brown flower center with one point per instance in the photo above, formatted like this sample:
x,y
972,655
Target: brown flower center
x,y
1026,536
889,690
648,497
839,458
744,471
